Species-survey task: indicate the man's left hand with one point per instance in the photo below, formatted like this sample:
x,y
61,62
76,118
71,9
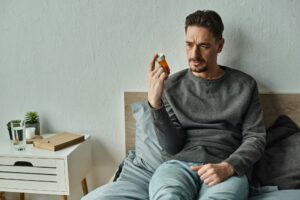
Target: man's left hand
x,y
212,174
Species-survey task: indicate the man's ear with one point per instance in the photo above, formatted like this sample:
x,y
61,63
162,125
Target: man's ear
x,y
221,45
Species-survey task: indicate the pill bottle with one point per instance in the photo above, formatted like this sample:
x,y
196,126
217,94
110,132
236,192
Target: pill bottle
x,y
163,63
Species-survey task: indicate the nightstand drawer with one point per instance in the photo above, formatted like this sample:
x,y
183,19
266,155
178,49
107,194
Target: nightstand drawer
x,y
33,174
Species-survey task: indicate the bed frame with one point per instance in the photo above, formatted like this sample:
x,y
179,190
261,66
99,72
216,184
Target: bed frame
x,y
273,106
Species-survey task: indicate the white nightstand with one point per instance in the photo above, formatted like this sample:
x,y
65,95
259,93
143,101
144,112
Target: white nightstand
x,y
45,172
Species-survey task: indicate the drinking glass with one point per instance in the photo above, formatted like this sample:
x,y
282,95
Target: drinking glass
x,y
18,135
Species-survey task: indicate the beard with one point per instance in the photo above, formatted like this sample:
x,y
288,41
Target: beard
x,y
198,65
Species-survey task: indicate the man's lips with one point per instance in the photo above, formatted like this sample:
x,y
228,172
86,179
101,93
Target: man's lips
x,y
196,59
197,62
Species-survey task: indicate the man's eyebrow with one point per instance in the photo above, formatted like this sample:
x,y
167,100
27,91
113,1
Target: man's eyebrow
x,y
201,43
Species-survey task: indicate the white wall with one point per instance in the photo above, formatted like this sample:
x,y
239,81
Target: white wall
x,y
72,60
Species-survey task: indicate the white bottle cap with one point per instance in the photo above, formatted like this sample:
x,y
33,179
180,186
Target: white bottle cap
x,y
161,56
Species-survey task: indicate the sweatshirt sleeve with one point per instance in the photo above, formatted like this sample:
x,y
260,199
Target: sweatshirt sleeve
x,y
169,131
254,137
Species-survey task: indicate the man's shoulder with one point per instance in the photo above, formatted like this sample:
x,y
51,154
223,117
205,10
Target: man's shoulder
x,y
240,76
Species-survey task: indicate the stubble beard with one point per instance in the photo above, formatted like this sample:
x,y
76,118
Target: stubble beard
x,y
201,67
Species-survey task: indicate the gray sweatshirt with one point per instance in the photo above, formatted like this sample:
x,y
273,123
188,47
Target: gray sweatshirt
x,y
211,121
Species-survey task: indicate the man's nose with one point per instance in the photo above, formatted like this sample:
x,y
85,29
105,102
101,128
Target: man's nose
x,y
196,52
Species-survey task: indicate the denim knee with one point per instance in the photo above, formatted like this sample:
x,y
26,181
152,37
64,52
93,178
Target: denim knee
x,y
234,188
174,180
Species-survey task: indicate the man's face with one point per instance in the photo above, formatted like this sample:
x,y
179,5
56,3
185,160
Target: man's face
x,y
202,48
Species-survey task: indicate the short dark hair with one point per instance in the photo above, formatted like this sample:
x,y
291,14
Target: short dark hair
x,y
208,19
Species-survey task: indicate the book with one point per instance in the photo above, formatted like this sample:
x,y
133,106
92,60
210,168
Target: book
x,y
59,141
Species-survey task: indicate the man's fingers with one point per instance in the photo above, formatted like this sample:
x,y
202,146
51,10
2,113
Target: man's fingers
x,y
203,169
163,76
205,175
208,180
157,72
196,168
152,63
212,183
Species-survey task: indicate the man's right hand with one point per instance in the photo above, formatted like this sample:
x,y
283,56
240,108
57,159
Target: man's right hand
x,y
156,78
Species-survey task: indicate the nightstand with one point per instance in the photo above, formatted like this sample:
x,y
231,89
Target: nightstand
x,y
45,172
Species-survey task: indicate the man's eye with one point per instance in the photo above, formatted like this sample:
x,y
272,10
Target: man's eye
x,y
204,46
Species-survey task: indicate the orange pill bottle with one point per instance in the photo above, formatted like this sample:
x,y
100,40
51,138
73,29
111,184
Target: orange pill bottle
x,y
163,63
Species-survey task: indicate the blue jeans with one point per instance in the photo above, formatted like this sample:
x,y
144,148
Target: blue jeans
x,y
174,180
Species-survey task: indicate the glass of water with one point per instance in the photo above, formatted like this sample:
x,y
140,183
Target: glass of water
x,y
18,135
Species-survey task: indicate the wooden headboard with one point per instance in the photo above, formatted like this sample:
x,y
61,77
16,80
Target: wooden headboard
x,y
273,106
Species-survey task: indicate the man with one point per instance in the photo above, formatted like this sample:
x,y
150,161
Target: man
x,y
208,117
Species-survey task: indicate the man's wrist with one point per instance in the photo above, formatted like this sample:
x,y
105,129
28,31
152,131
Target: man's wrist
x,y
229,168
155,105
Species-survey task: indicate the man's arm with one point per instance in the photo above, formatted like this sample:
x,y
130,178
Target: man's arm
x,y
254,137
170,135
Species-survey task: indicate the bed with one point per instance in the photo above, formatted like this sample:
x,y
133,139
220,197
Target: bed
x,y
144,153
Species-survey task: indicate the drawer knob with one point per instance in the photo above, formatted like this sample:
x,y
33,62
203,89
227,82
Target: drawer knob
x,y
23,164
